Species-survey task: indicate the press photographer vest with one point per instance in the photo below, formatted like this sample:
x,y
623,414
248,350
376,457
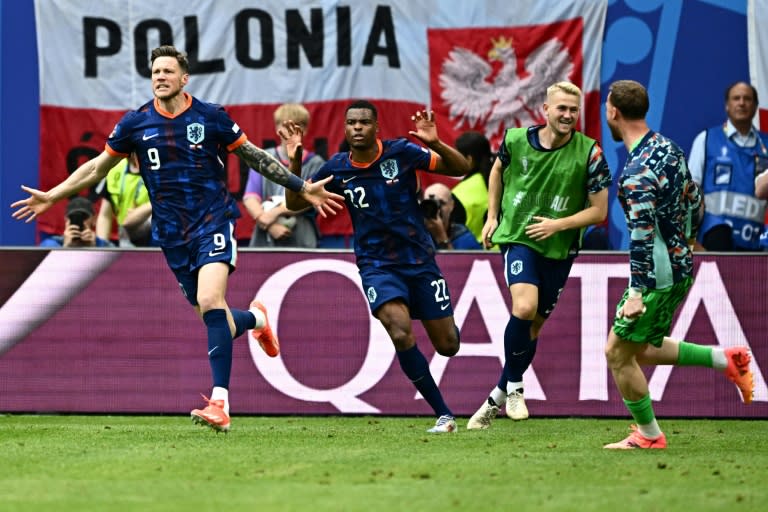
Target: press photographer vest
x,y
729,187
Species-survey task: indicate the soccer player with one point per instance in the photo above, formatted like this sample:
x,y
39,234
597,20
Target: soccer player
x,y
394,251
178,140
660,199
547,184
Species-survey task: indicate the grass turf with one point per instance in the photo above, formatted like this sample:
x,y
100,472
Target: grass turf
x,y
164,463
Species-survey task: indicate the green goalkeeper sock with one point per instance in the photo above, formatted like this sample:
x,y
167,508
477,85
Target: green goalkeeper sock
x,y
694,355
641,410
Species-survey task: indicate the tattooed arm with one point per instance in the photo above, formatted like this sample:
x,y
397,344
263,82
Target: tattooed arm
x,y
313,193
268,166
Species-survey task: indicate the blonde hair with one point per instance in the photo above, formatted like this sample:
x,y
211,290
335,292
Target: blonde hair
x,y
566,87
295,112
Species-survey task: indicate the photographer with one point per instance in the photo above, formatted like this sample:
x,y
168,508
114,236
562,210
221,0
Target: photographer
x,y
78,227
444,217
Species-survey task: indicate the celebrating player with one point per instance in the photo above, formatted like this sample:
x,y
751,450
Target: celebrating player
x,y
548,183
395,253
659,198
178,139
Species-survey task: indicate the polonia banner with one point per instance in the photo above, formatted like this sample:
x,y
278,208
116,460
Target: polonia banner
x,y
757,20
480,65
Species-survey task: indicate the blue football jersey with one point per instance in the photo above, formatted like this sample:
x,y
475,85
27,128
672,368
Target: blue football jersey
x,y
180,157
382,198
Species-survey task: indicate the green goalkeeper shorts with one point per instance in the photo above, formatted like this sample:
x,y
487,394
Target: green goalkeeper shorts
x,y
655,323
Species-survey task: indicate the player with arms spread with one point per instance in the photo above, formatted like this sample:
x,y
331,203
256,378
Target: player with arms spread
x,y
395,253
178,140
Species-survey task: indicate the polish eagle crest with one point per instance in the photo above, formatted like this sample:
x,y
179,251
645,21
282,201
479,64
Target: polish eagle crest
x,y
480,98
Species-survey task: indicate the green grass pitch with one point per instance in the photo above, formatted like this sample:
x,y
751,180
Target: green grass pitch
x,y
366,463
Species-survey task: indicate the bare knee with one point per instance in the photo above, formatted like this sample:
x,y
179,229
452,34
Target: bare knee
x,y
525,310
618,353
208,301
449,346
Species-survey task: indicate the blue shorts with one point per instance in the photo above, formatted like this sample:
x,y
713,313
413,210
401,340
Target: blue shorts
x,y
422,288
185,260
524,265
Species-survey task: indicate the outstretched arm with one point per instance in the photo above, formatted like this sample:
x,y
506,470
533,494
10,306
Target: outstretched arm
x,y
451,162
268,166
314,194
88,174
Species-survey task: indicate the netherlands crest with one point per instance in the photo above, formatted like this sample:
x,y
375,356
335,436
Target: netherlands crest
x,y
195,133
389,169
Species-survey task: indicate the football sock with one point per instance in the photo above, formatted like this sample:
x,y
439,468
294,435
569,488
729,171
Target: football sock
x,y
498,396
719,361
691,354
416,368
517,341
261,320
531,352
219,346
513,387
642,412
219,393
502,384
244,320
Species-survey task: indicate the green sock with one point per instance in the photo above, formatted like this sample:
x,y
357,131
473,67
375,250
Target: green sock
x,y
641,410
694,355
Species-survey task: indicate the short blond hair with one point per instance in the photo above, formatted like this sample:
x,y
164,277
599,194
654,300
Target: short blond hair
x,y
566,87
295,112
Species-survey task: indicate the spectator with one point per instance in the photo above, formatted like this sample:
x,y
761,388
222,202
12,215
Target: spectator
x,y
78,227
472,190
444,217
125,201
725,161
276,225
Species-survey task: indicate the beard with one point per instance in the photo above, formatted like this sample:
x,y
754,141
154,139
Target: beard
x,y
615,133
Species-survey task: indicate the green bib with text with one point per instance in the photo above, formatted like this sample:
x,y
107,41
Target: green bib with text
x,y
544,183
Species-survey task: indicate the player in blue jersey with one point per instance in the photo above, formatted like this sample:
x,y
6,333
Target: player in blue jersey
x,y
179,141
395,253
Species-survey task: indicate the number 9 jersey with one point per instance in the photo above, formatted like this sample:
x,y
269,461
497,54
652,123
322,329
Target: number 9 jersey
x,y
180,157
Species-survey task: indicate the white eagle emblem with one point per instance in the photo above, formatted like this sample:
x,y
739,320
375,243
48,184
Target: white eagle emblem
x,y
389,169
477,96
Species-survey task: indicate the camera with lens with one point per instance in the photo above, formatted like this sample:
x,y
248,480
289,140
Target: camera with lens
x,y
429,208
78,218
79,210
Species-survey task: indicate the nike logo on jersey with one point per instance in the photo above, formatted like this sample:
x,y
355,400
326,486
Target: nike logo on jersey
x,y
213,254
213,350
444,307
150,136
344,181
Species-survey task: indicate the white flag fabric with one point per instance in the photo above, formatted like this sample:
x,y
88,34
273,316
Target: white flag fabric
x,y
480,65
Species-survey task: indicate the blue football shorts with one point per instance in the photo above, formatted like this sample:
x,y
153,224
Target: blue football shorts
x,y
422,288
185,260
524,265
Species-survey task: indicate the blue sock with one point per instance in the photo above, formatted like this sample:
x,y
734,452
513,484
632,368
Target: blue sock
x,y
517,341
416,368
531,352
219,346
243,321
502,385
